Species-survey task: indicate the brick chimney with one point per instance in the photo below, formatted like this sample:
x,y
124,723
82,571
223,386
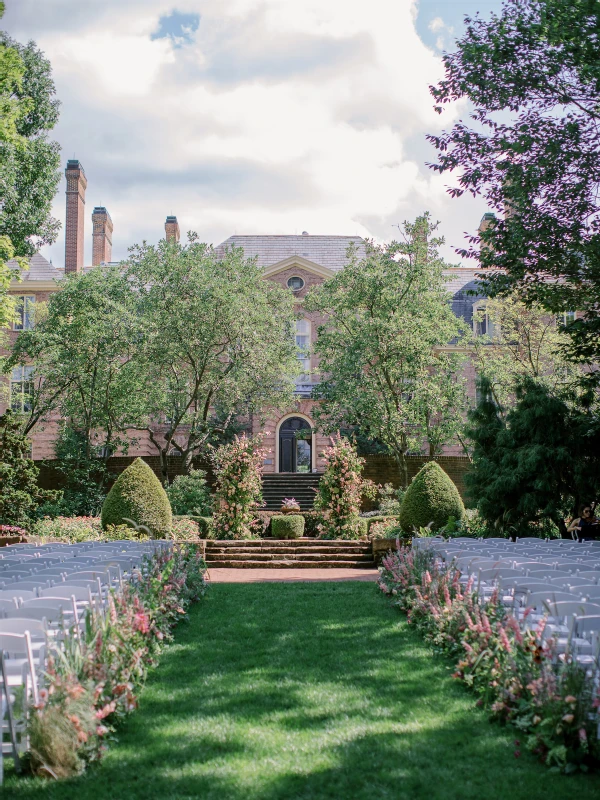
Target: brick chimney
x,y
172,229
76,186
487,219
102,236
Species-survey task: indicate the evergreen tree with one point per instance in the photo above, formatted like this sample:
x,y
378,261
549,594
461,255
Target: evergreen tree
x,y
536,462
20,494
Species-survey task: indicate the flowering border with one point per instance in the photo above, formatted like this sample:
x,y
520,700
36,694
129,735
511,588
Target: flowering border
x,y
515,670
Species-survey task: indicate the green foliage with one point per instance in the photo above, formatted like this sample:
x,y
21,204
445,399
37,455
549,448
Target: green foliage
x,y
534,462
20,494
83,478
189,494
340,492
216,345
186,529
387,317
389,500
137,495
432,497
287,526
205,527
531,73
388,520
238,488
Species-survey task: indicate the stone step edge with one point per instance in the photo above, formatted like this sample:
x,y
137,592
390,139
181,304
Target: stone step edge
x,y
234,564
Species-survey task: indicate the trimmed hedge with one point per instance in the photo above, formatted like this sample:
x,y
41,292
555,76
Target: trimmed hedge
x,y
205,526
432,497
137,494
288,526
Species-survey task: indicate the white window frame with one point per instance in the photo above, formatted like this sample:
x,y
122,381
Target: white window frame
x,y
492,331
304,360
566,317
21,388
24,321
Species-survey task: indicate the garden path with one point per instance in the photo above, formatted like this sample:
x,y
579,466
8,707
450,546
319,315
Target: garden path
x,y
307,691
218,575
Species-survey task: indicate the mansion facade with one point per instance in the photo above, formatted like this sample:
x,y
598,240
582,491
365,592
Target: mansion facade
x,y
296,262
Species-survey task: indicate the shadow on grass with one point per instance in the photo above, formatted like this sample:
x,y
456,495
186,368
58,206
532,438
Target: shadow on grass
x,y
307,691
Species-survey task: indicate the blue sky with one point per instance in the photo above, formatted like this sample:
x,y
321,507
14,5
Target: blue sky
x,y
251,116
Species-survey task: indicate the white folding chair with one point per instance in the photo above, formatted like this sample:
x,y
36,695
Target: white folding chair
x,y
17,593
8,605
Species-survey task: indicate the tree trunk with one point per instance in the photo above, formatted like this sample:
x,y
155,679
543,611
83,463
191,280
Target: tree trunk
x,y
400,457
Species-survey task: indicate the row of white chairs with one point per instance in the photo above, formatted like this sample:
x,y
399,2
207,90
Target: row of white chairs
x,y
45,593
558,581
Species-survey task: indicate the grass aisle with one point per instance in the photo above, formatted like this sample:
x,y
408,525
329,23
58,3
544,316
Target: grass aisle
x,y
320,690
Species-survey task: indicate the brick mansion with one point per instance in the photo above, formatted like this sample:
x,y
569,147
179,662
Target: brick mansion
x,y
297,262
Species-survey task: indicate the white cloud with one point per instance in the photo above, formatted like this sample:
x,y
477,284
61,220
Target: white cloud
x,y
436,24
275,117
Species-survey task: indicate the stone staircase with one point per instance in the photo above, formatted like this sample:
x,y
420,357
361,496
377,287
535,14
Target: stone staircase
x,y
289,554
277,485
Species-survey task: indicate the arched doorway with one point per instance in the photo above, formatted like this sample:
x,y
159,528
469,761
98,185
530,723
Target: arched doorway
x,y
295,445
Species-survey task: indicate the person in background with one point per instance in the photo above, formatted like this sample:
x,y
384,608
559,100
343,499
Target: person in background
x,y
586,526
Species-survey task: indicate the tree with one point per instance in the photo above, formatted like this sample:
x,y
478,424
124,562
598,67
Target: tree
x,y
20,494
216,336
532,74
534,462
384,351
28,161
82,350
525,341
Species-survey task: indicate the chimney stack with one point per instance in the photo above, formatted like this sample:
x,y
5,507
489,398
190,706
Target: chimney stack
x,y
102,236
487,219
76,186
172,229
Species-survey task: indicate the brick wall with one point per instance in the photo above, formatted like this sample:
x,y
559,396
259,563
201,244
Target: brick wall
x,y
383,469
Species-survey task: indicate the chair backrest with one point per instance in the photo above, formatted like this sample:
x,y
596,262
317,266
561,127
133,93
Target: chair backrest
x,y
89,583
17,624
500,572
593,575
21,594
589,592
527,539
588,623
8,604
548,573
541,599
565,608
43,613
572,579
65,592
104,575
29,585
16,572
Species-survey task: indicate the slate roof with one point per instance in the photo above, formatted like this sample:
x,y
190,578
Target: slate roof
x,y
465,291
326,251
40,269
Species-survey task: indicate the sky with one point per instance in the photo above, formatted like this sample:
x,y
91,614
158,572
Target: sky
x,y
252,116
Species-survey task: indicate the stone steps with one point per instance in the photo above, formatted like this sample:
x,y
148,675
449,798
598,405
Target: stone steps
x,y
277,486
288,553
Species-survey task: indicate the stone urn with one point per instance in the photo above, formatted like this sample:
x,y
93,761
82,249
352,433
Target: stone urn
x,y
290,506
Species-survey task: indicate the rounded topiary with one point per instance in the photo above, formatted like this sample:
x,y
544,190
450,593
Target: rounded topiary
x,y
138,495
432,497
290,526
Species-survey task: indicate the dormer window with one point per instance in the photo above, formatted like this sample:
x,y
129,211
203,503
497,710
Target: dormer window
x,y
483,325
295,283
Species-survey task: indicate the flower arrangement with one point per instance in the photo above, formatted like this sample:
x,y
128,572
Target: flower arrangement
x,y
12,530
238,489
515,671
92,681
290,504
340,492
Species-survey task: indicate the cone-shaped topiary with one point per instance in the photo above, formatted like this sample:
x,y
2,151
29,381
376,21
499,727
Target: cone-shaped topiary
x,y
431,497
138,495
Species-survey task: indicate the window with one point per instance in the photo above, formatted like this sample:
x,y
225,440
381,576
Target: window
x,y
21,389
296,283
303,344
483,324
24,313
566,317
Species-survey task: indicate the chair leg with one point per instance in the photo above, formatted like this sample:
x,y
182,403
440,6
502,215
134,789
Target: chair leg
x,y
9,714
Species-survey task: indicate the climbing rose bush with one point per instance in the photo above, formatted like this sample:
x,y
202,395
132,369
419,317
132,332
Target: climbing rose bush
x,y
92,681
341,490
238,489
515,671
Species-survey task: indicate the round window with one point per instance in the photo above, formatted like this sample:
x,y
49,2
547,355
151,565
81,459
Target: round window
x,y
296,283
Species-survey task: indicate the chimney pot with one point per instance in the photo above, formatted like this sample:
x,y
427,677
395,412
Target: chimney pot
x,y
74,222
102,229
172,229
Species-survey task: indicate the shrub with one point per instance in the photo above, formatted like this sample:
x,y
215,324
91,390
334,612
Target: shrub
x,y
432,497
389,499
263,521
385,518
92,680
288,526
70,529
206,528
137,495
190,495
238,489
385,528
186,529
20,494
340,492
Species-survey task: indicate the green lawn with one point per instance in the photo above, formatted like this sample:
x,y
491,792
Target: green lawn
x,y
315,690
